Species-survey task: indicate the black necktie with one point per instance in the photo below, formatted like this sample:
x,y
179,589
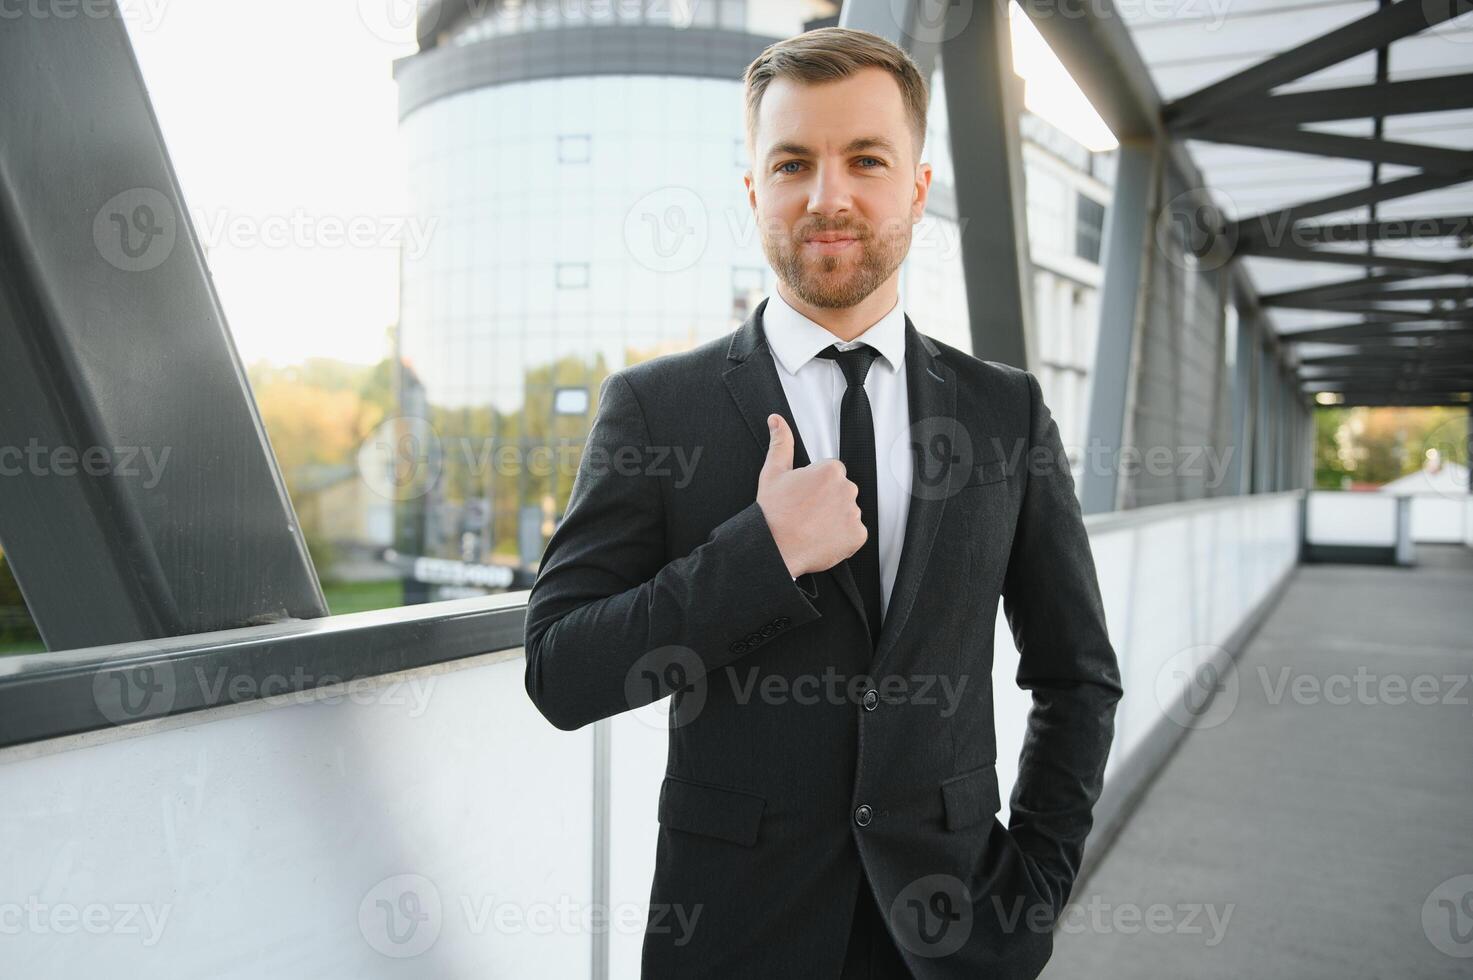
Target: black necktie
x,y
857,453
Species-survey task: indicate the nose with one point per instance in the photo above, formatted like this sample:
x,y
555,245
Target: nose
x,y
832,191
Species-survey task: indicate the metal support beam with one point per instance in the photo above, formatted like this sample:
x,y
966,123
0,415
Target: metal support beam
x,y
1371,310
1294,398
1357,288
1326,257
1404,360
1433,159
1277,389
1124,248
1372,329
1240,398
1458,293
1274,226
149,503
914,27
1263,425
1372,31
1311,439
45,696
1398,354
1449,385
1350,102
1461,355
1402,229
986,149
603,840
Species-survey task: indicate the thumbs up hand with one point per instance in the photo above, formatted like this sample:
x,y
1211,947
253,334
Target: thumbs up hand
x,y
811,511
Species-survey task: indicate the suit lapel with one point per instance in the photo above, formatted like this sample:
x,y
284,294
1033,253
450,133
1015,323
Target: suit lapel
x,y
931,398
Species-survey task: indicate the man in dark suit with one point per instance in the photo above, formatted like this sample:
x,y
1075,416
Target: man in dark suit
x,y
825,623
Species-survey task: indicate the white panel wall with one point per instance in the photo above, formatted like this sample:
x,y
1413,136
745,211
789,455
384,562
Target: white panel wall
x,y
640,742
1438,519
1176,580
444,818
1367,518
1350,518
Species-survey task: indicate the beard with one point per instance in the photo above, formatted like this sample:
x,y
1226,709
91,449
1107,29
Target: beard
x,y
832,282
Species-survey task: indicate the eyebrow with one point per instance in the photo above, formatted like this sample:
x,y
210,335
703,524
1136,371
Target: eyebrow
x,y
855,145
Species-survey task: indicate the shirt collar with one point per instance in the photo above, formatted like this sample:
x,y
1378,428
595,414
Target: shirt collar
x,y
796,340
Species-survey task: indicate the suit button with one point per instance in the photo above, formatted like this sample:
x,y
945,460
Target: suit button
x,y
871,698
753,639
768,630
740,646
863,814
782,622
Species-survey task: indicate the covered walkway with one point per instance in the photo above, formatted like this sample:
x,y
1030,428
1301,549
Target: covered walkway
x,y
1302,826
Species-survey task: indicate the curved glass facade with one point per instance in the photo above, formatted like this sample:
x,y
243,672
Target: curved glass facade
x,y
542,15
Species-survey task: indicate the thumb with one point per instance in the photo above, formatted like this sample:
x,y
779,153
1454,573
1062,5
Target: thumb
x,y
779,448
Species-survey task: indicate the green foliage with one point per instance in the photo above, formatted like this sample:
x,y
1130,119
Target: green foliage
x,y
1378,445
324,555
351,597
17,631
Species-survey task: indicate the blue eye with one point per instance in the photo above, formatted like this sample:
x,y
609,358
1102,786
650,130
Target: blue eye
x,y
795,163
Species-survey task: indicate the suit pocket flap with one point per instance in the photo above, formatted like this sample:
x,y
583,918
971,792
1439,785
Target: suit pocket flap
x,y
987,471
700,808
971,796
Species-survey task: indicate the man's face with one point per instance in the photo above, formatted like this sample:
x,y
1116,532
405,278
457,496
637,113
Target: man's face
x,y
835,159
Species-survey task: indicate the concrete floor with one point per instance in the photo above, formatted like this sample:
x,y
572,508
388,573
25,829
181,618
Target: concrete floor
x,y
1305,838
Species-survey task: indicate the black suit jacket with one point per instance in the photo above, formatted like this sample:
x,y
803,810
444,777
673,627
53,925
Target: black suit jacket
x,y
801,756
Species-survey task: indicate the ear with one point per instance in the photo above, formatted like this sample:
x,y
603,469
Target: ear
x,y
922,192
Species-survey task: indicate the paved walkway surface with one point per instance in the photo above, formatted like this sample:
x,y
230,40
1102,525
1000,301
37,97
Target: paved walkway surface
x,y
1306,837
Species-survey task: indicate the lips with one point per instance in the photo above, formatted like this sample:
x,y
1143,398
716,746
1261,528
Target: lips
x,y
828,244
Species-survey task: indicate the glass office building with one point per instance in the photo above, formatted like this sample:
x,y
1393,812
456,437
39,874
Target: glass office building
x,y
582,174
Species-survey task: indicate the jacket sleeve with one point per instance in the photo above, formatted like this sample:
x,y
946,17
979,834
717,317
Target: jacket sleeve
x,y
1051,599
611,626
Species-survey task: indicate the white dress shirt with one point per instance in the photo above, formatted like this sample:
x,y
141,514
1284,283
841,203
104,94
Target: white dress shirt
x,y
815,389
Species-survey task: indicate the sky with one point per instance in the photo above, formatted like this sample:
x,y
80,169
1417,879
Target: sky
x,y
281,119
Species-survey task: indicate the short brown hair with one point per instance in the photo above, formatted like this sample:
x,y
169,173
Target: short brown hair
x,y
831,53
